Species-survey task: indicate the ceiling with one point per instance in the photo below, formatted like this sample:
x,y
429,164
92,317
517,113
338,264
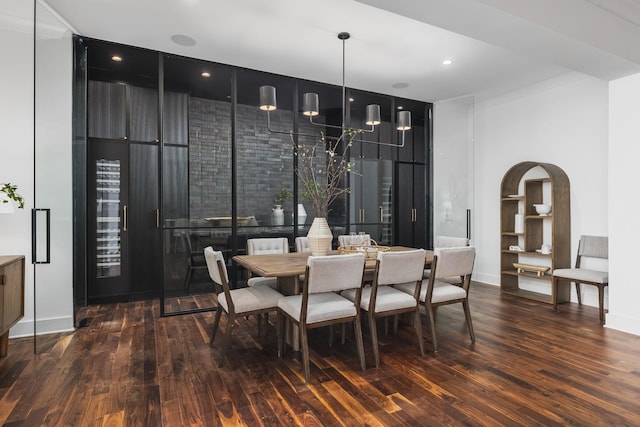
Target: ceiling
x,y
396,47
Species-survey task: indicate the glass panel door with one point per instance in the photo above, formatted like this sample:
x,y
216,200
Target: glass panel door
x,y
453,167
53,215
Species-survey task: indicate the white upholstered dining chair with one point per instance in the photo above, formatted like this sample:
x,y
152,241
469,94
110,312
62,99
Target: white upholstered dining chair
x,y
447,262
235,302
448,242
266,246
381,299
321,304
589,247
354,239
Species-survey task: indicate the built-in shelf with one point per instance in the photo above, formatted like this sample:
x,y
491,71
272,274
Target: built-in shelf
x,y
553,229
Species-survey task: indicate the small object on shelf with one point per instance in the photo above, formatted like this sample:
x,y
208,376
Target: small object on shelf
x,y
538,269
543,209
519,224
516,248
516,196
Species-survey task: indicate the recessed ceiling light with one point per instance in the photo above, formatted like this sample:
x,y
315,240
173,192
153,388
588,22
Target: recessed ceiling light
x,y
182,40
400,85
447,62
116,58
206,74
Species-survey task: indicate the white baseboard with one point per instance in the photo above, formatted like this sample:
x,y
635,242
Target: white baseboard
x,y
24,328
623,323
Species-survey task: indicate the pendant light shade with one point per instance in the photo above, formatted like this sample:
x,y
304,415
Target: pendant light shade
x,y
267,98
373,115
310,104
404,120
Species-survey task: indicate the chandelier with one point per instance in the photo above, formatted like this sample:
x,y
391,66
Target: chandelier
x,y
311,103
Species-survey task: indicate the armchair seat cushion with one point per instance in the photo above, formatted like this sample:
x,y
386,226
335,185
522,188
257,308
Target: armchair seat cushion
x,y
388,298
250,299
442,291
263,281
582,275
321,307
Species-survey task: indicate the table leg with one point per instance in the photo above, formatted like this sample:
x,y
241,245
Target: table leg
x,y
290,286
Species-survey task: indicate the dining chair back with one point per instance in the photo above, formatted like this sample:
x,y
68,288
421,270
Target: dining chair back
x,y
588,247
448,242
447,263
234,302
381,299
266,246
354,239
302,244
320,303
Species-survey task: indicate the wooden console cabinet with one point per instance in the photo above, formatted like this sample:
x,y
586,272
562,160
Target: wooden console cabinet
x,y
11,296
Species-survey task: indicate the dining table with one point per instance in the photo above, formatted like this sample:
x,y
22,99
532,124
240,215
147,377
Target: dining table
x,y
290,267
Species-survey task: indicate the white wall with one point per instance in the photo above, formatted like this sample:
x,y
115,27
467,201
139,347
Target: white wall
x,y
624,223
563,121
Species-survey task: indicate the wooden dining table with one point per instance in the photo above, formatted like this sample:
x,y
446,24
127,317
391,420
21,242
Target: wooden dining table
x,y
289,267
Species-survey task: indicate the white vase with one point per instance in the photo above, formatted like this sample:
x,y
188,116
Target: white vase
x,y
302,215
277,215
319,236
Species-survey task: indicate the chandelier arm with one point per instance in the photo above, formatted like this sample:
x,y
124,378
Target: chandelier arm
x,y
290,132
388,144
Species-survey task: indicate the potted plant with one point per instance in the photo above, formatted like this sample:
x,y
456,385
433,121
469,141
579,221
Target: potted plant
x,y
321,170
8,196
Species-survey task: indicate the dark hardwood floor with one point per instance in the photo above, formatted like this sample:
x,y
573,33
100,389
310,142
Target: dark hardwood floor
x,y
529,366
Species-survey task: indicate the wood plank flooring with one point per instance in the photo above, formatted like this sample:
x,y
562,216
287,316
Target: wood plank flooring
x,y
529,366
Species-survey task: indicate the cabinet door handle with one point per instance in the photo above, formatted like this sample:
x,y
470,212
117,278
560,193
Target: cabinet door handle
x,y
413,215
157,218
362,220
381,214
124,218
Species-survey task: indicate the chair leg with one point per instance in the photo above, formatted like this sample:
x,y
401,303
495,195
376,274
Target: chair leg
x,y
374,337
305,352
554,292
601,303
216,322
187,280
395,323
467,314
330,335
259,321
418,326
344,333
280,327
579,293
231,320
359,344
432,324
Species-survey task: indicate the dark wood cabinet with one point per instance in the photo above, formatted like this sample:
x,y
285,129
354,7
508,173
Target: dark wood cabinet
x,y
123,221
411,205
11,296
371,199
123,112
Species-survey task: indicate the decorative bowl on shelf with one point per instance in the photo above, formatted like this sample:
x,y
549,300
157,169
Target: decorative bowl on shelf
x,y
543,209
